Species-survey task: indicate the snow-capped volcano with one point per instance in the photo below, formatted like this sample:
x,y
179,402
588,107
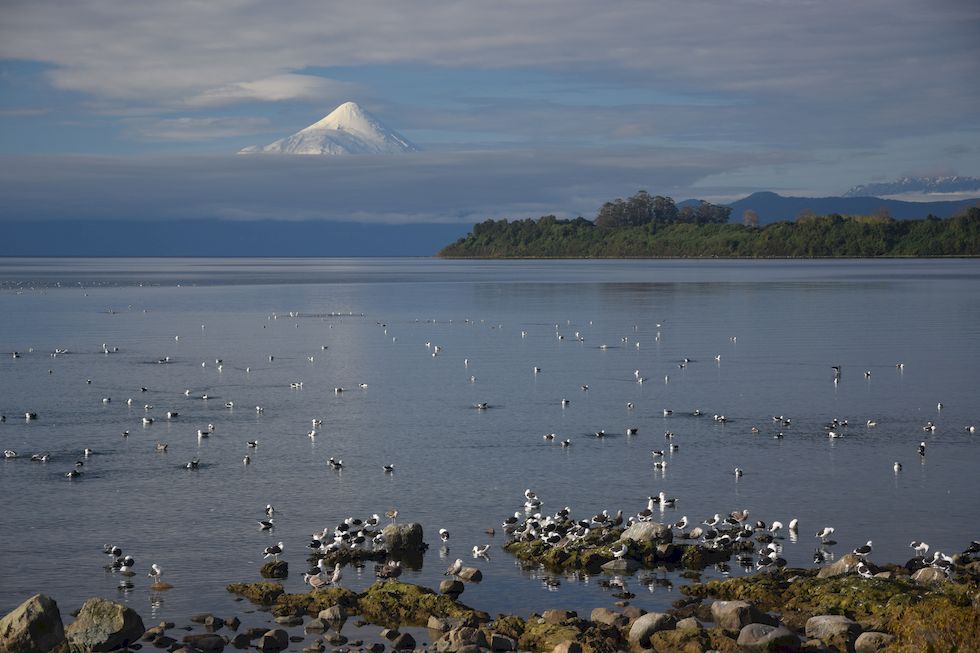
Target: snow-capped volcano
x,y
348,129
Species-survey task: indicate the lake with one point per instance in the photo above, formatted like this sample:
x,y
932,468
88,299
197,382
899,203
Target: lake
x,y
759,339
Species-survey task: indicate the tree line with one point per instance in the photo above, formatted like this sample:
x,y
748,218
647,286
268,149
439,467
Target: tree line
x,y
645,226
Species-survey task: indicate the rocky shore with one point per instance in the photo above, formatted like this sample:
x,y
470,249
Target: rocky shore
x,y
828,609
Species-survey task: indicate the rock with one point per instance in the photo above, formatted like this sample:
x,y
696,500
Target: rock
x,y
848,563
335,639
610,617
834,630
389,633
929,576
647,625
273,640
152,633
558,616
568,647
404,641
233,623
452,587
316,647
632,612
648,531
207,642
201,617
289,620
438,623
241,640
275,569
736,614
316,625
162,641
32,627
458,638
333,613
621,566
872,641
763,637
376,648
403,538
261,593
471,574
103,625
690,623
214,622
500,642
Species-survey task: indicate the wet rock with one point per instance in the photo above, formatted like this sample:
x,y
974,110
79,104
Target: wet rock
x,y
633,612
376,648
763,637
647,625
103,625
736,614
621,566
312,603
32,627
201,617
458,638
275,569
214,623
929,576
648,531
233,623
610,617
392,603
261,593
690,623
403,538
333,613
162,641
316,625
697,557
152,633
872,641
403,642
452,587
316,647
500,642
273,640
440,624
834,630
335,639
390,634
470,574
847,564
241,640
692,640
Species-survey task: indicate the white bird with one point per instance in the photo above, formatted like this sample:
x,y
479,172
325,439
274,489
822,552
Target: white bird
x,y
337,575
156,572
920,548
443,534
273,550
897,466
738,472
825,532
269,510
480,551
863,550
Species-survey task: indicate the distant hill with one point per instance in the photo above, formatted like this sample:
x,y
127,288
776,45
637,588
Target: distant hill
x,y
775,208
944,184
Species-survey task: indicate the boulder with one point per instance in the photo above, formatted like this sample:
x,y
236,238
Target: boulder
x,y
648,531
834,630
736,614
403,538
32,627
621,566
403,642
647,625
632,612
500,642
273,640
452,587
471,574
690,623
610,617
440,624
929,576
289,620
207,642
103,625
333,613
568,647
847,564
316,625
763,637
275,569
872,641
558,616
457,638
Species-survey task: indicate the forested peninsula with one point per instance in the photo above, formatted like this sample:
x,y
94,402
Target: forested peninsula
x,y
646,226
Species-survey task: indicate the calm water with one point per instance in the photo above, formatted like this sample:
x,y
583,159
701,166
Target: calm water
x,y
457,467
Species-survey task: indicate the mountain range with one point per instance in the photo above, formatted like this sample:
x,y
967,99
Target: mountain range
x,y
771,207
348,129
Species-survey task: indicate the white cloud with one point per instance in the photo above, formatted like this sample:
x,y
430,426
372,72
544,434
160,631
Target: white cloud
x,y
277,88
197,129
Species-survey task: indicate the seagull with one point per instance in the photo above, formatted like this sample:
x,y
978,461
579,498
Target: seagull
x,y
389,468
566,442
266,524
897,466
922,448
920,548
315,581
193,464
863,550
391,514
825,532
156,572
269,510
681,524
619,551
247,460
443,534
273,550
337,575
455,568
9,453
738,472
480,551
252,444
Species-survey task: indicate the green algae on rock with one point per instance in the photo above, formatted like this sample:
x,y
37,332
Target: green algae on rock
x,y
393,603
261,593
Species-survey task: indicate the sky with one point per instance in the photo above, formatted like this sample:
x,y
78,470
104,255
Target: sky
x,y
126,110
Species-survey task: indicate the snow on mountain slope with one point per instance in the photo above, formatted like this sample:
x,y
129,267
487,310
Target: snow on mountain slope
x,y
348,129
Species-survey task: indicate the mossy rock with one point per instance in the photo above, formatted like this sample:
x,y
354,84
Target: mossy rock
x,y
698,557
261,593
346,557
311,603
392,603
691,640
542,636
509,625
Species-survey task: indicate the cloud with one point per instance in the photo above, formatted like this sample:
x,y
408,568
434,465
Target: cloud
x,y
197,129
277,88
463,187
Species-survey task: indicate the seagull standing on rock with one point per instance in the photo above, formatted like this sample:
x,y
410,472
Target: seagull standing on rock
x,y
455,568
